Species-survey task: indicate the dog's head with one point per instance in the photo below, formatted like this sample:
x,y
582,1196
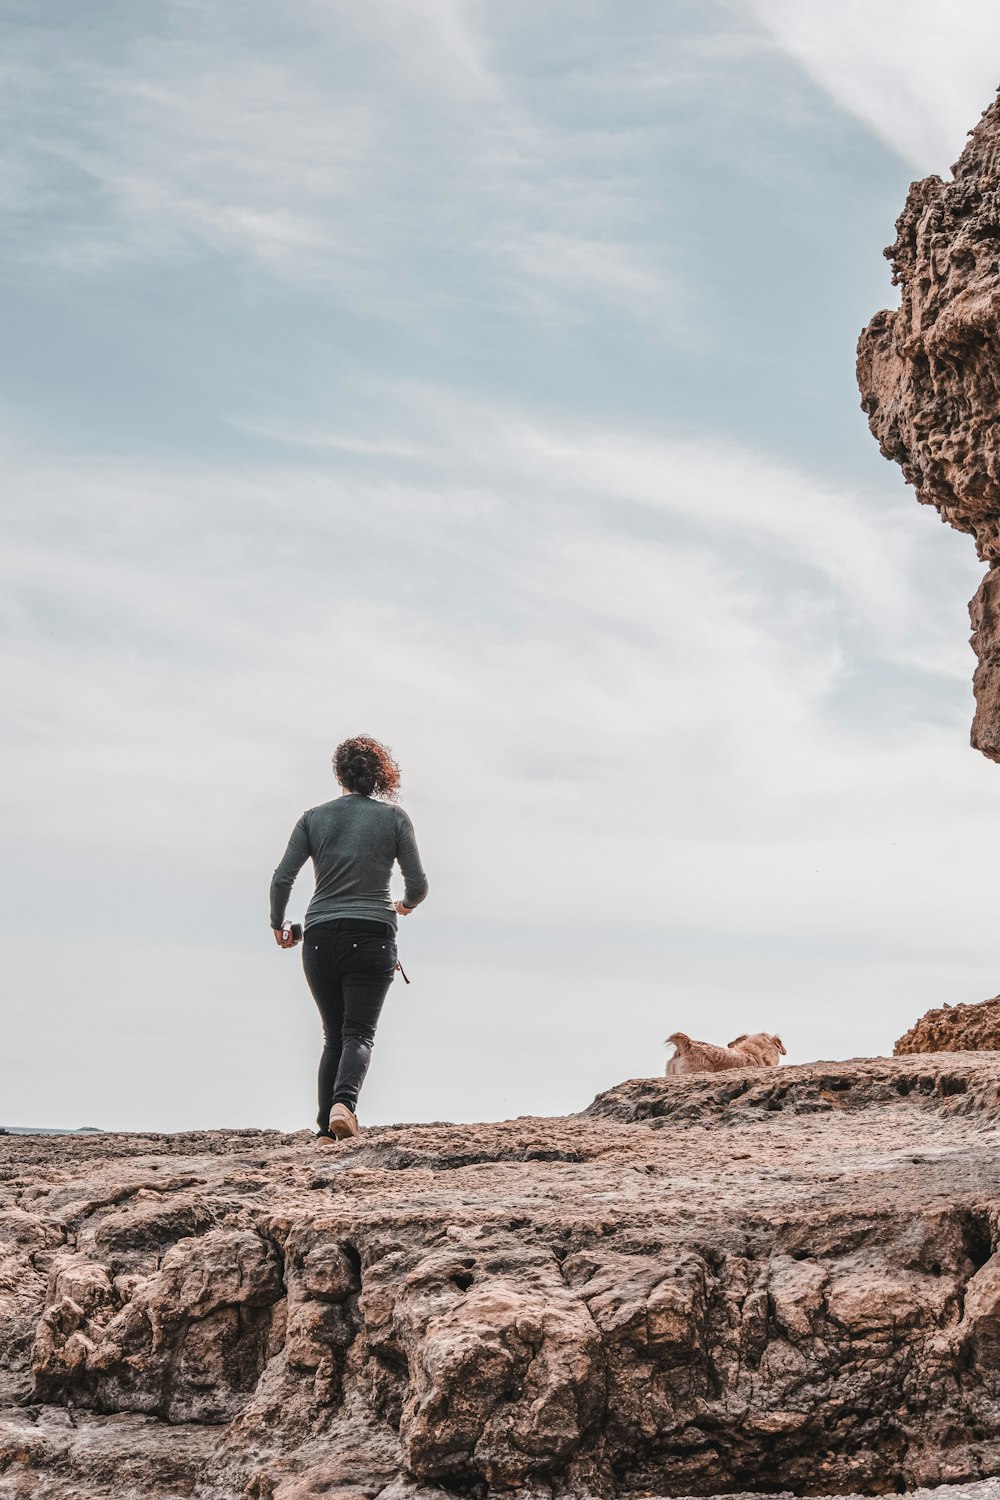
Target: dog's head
x,y
762,1044
678,1039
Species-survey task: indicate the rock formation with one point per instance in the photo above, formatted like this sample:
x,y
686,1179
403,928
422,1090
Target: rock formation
x,y
758,1280
954,1028
929,375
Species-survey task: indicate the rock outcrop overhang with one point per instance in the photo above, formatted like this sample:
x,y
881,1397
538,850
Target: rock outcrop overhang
x,y
780,1280
929,374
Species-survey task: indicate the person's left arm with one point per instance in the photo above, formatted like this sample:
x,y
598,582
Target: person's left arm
x,y
415,881
283,879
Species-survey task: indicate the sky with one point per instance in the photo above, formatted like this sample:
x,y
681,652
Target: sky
x,y
479,376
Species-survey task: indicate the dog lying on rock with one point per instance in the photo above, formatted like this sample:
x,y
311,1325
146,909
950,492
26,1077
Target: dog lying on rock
x,y
758,1049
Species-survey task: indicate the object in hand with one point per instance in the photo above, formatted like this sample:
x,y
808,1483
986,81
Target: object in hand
x,y
293,930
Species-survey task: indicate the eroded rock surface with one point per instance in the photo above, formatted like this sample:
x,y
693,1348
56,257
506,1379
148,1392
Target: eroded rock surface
x,y
769,1280
954,1028
929,373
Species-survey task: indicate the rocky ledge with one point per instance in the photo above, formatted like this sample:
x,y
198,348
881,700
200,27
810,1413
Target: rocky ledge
x,y
764,1280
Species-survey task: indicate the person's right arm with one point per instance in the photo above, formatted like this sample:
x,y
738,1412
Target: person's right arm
x,y
283,879
415,881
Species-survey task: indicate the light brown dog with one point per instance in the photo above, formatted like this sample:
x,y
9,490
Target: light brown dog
x,y
758,1049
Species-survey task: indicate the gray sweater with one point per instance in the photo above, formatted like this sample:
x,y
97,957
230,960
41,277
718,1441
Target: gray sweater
x,y
353,842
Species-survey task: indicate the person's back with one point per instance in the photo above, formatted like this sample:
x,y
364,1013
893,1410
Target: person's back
x,y
349,944
353,841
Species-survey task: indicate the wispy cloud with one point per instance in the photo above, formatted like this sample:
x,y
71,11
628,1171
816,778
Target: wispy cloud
x,y
437,42
164,156
560,276
454,186
918,72
611,589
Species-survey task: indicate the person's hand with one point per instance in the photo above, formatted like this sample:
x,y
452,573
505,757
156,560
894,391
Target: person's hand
x,y
403,911
283,937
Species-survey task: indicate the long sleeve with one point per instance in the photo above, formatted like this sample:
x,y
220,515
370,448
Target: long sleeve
x,y
283,879
408,855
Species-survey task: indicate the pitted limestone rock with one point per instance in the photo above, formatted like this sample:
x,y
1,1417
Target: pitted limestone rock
x,y
954,1028
928,375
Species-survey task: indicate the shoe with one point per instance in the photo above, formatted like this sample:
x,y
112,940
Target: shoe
x,y
324,1138
343,1122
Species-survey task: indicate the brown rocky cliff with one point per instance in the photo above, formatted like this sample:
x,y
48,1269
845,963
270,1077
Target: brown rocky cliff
x,y
929,375
773,1279
954,1028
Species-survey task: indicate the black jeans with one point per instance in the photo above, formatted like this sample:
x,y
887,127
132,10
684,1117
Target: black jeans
x,y
349,966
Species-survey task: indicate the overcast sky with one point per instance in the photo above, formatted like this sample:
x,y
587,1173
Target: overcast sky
x,y
478,376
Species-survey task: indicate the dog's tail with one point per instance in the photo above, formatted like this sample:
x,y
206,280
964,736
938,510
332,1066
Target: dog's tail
x,y
679,1039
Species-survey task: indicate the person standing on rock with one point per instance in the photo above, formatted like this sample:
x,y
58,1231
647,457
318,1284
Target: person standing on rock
x,y
349,943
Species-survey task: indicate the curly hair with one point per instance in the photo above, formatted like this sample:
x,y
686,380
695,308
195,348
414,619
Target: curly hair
x,y
365,766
